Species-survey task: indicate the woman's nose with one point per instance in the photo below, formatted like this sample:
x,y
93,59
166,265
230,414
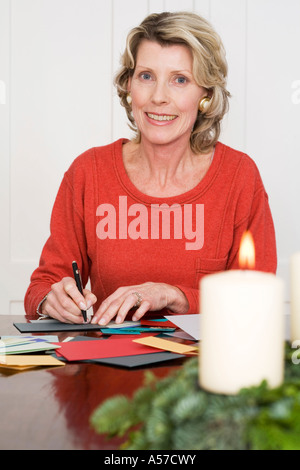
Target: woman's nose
x,y
160,93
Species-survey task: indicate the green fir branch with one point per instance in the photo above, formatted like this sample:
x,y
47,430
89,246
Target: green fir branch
x,y
175,413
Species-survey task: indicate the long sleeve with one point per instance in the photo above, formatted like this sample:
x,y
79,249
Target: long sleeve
x,y
254,215
193,297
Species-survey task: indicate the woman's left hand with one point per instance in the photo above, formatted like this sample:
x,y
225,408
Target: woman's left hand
x,y
149,296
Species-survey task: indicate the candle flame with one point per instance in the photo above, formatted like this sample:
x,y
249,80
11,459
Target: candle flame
x,y
247,251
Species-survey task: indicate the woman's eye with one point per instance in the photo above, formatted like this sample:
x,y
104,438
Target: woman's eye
x,y
145,76
181,80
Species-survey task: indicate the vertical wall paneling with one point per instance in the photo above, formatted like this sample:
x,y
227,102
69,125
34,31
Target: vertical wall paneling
x,y
177,5
6,291
273,117
60,81
60,106
202,8
229,20
126,15
156,6
57,107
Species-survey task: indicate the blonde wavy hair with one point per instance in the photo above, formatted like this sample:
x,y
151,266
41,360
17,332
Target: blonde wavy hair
x,y
209,68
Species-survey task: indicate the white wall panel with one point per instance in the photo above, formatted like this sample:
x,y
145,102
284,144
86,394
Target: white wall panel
x,y
202,8
178,5
230,21
5,292
156,6
273,118
60,105
59,68
126,15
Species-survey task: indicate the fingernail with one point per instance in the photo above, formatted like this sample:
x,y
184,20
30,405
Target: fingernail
x,y
82,306
88,304
102,321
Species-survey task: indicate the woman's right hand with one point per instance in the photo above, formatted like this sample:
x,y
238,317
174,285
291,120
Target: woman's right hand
x,y
64,302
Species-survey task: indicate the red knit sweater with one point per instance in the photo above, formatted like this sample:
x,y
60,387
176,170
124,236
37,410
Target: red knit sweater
x,y
120,236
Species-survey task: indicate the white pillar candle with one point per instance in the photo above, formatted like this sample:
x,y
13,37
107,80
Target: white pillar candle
x,y
242,329
295,296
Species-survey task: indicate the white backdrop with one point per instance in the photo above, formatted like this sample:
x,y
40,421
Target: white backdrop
x,y
57,60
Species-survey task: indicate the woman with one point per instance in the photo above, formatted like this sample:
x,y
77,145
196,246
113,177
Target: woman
x,y
145,219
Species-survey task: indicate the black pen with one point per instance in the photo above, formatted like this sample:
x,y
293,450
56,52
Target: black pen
x,y
78,281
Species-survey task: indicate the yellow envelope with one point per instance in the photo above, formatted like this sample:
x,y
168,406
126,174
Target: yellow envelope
x,y
167,345
22,362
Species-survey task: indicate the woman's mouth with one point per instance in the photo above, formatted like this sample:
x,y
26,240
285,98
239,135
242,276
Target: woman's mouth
x,y
161,117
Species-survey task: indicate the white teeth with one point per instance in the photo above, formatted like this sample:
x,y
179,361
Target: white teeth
x,y
156,117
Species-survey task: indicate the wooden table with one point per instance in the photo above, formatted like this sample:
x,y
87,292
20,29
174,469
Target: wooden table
x,y
49,409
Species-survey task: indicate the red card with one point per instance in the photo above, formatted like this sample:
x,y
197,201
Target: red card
x,y
85,350
162,324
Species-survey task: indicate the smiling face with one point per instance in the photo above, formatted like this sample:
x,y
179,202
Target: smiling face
x,y
164,94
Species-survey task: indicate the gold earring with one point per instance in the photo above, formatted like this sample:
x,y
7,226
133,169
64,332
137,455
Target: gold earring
x,y
128,98
204,104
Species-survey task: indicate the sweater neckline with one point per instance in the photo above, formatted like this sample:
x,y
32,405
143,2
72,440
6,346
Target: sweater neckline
x,y
185,197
